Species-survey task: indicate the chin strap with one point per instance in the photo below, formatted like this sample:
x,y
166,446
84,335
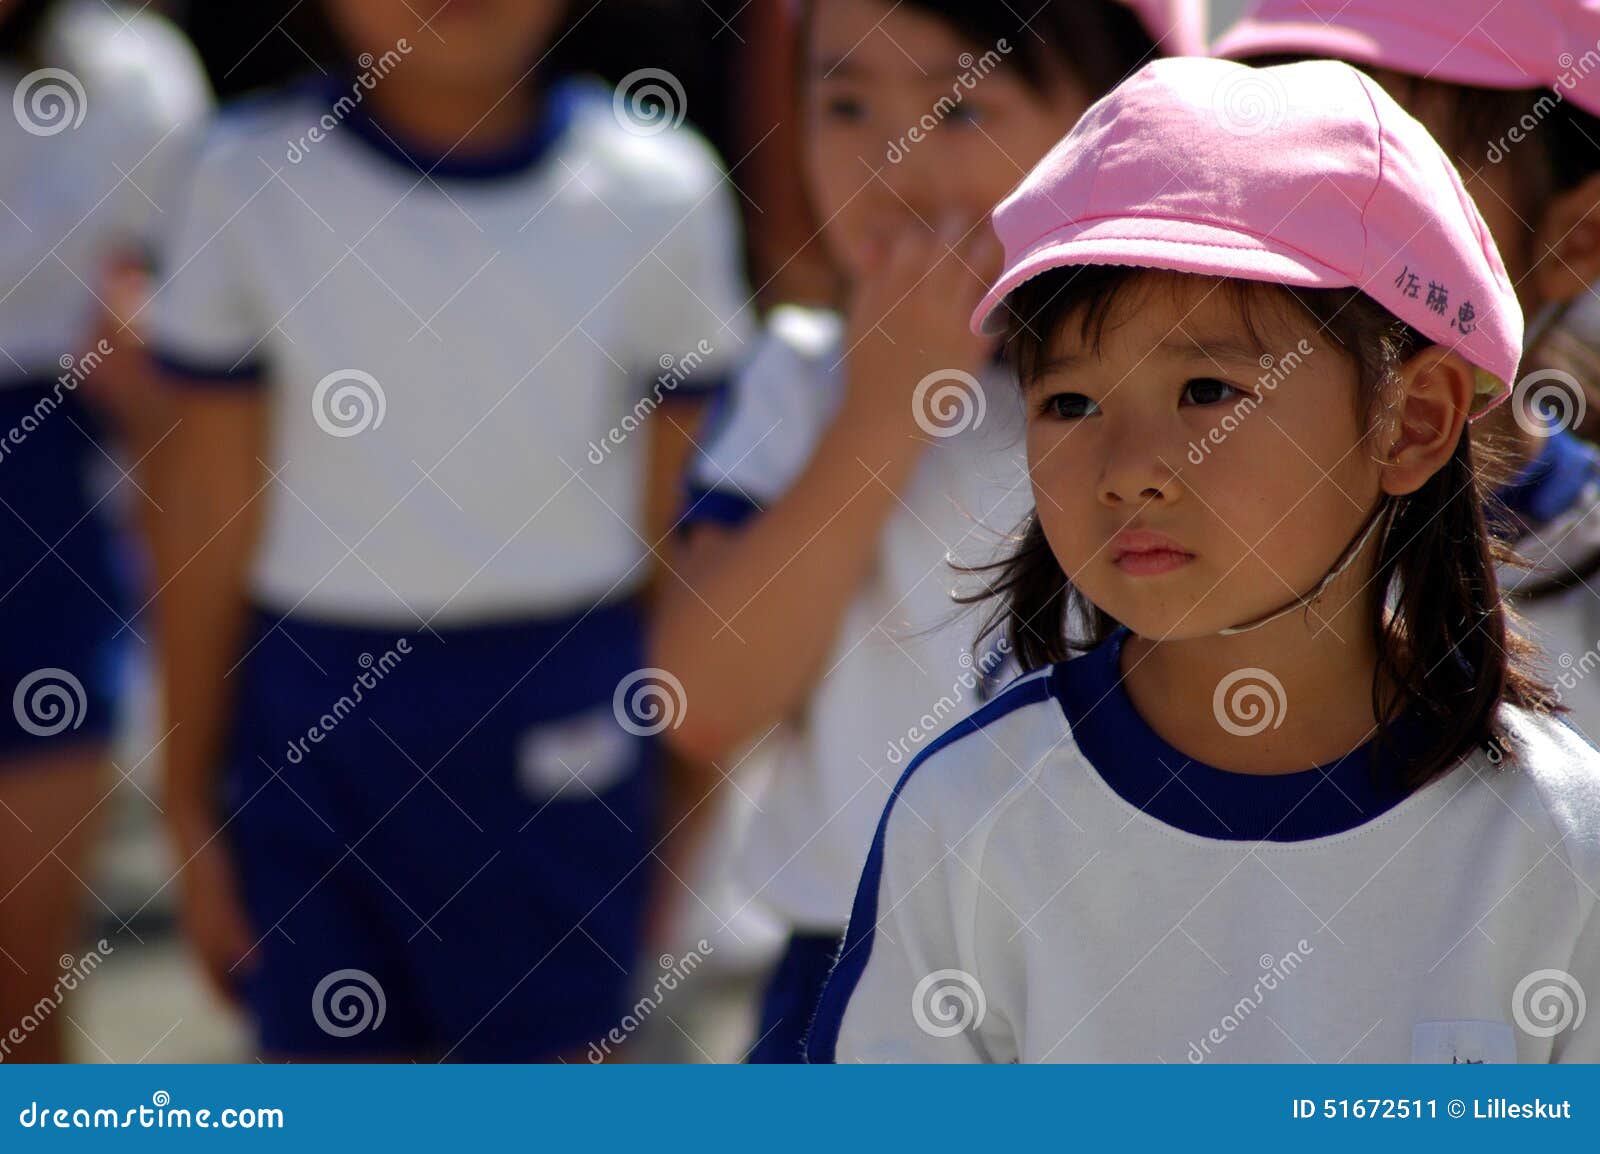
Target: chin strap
x,y
1346,559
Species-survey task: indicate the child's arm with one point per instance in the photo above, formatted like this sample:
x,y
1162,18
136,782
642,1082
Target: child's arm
x,y
748,627
210,482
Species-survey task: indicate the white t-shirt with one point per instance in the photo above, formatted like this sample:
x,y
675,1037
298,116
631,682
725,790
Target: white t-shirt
x,y
93,145
1016,907
461,353
902,663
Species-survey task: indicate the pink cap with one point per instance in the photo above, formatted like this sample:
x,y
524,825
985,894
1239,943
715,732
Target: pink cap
x,y
1178,26
1511,44
1306,174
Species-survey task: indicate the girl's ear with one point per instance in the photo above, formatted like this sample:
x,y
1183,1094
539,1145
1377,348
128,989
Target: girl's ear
x,y
1566,243
1432,417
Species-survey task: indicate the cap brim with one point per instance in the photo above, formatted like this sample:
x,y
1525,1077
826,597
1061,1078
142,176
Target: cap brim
x,y
1452,59
1158,243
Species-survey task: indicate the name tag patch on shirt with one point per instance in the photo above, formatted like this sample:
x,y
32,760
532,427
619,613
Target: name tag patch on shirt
x,y
1464,1042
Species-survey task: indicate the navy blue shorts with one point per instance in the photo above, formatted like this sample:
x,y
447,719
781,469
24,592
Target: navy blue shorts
x,y
63,576
444,842
791,997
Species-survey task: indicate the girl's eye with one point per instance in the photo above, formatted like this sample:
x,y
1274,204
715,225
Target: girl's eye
x,y
843,108
1209,391
1069,406
967,114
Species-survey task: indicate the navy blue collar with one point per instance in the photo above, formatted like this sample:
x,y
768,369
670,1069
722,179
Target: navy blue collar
x,y
1205,801
557,103
1549,485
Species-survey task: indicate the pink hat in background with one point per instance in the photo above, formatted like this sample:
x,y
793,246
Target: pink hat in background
x,y
1178,26
1307,175
1511,44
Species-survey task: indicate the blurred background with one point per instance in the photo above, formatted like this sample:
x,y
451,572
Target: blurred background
x,y
148,1002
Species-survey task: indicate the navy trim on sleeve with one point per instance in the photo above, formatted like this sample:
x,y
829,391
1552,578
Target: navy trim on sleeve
x,y
823,1041
710,387
248,374
725,507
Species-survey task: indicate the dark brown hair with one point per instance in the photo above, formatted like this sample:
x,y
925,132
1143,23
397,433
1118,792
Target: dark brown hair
x,y
1446,649
1098,41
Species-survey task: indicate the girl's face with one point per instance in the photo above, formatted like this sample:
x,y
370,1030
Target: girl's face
x,y
465,43
908,124
1180,491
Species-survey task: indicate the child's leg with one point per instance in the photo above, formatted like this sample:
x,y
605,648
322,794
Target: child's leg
x,y
45,812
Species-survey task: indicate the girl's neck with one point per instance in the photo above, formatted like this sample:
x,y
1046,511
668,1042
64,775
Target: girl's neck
x,y
459,120
1298,692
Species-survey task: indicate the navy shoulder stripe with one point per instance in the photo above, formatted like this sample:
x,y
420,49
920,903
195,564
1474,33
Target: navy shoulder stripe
x,y
824,1037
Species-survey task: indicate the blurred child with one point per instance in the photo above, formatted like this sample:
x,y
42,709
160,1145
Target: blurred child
x,y
1512,92
1301,799
862,449
421,317
99,102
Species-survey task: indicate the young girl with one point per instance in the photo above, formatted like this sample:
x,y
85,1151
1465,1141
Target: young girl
x,y
1300,800
100,103
1512,92
420,318
857,452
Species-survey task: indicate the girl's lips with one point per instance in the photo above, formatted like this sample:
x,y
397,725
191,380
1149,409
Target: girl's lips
x,y
1150,562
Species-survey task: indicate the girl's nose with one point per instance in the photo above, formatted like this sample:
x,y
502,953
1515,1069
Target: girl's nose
x,y
1135,470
